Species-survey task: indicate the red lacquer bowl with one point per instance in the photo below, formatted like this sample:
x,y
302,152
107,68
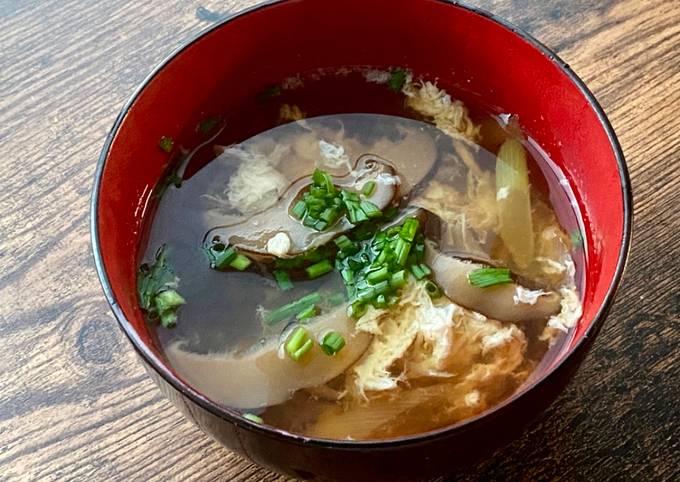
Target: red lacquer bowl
x,y
469,51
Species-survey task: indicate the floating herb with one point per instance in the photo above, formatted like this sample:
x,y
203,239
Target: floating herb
x,y
166,144
157,289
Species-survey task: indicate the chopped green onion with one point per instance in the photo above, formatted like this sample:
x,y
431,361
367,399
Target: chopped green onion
x,y
368,189
220,259
347,275
357,309
402,249
432,289
420,271
253,418
366,294
168,319
398,279
379,275
319,269
168,300
309,312
322,179
485,277
292,308
382,287
320,225
380,302
309,221
241,262
283,280
299,209
409,229
330,215
344,243
332,343
166,143
299,344
417,272
397,79
370,209
419,251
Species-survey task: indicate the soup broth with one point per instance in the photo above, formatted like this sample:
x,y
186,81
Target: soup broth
x,y
391,268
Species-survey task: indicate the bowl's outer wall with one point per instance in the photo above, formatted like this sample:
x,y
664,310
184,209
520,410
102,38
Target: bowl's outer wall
x,y
461,48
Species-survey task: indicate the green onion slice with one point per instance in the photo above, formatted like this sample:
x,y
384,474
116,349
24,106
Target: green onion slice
x,y
332,343
166,143
282,280
319,269
299,344
485,277
291,309
253,418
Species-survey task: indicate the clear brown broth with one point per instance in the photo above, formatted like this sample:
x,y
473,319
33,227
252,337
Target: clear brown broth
x,y
220,314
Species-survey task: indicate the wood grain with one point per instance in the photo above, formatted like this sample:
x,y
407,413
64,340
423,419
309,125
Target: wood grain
x,y
74,402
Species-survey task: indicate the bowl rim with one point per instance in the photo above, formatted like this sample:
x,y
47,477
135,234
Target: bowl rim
x,y
233,416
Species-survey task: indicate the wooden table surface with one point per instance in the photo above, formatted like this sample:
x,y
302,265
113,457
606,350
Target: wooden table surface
x,y
74,402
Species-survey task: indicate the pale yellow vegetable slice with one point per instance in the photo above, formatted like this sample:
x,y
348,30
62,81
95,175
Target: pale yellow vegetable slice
x,y
514,202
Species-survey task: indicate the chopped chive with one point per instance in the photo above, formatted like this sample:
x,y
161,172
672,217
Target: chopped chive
x,y
378,275
299,209
417,272
380,302
426,269
402,250
370,209
168,300
485,277
291,309
409,229
399,279
319,269
309,312
347,275
366,294
166,143
309,221
320,225
330,215
356,310
419,251
368,189
349,196
323,180
253,418
299,344
332,343
432,289
168,319
344,243
240,262
282,280
220,259
381,287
